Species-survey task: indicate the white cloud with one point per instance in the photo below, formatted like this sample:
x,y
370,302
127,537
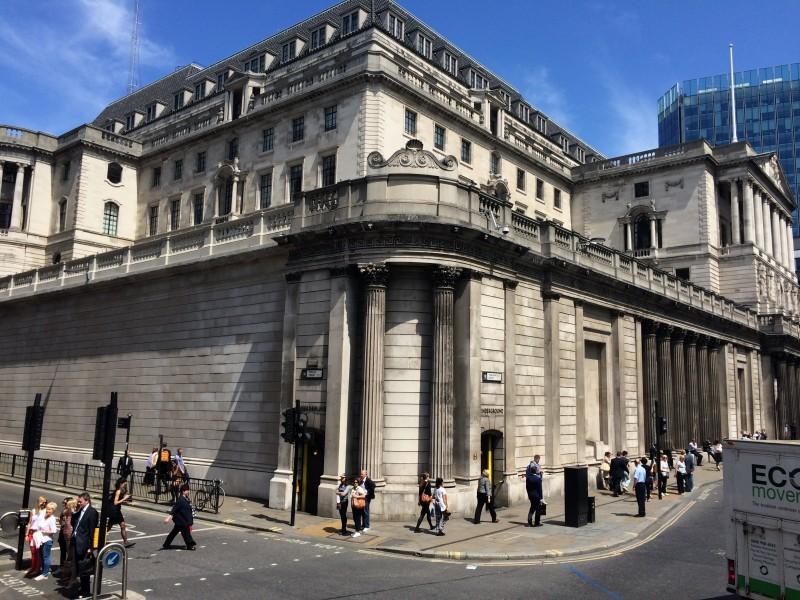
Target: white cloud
x,y
546,96
632,120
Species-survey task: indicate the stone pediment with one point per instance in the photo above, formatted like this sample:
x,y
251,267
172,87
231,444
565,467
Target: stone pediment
x,y
413,156
772,168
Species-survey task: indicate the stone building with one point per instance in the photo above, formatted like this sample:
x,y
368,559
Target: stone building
x,y
356,216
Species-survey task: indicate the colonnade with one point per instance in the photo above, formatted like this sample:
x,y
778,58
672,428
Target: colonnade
x,y
16,220
681,378
760,222
787,402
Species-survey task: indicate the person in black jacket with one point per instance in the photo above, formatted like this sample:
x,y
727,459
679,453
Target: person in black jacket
x,y
181,516
84,522
619,468
369,485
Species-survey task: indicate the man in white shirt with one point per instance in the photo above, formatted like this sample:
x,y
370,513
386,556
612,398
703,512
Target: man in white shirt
x,y
640,484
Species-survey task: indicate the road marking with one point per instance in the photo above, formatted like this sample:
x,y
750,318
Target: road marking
x,y
202,579
7,546
592,582
251,568
274,565
149,590
225,574
177,584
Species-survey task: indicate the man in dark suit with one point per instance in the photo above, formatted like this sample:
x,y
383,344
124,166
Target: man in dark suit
x,y
533,486
619,467
181,516
84,522
369,485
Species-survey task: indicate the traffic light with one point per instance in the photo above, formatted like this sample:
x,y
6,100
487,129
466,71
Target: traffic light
x,y
289,422
98,451
34,421
302,434
662,425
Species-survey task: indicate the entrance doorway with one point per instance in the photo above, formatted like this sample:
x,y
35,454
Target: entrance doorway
x,y
492,455
312,462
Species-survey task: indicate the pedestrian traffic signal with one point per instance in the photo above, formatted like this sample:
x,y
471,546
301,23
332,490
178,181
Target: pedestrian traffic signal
x,y
662,425
288,424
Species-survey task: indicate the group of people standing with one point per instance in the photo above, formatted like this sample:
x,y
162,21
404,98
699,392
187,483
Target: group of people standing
x,y
357,493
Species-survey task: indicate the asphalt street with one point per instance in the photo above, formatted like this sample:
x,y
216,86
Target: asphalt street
x,y
684,561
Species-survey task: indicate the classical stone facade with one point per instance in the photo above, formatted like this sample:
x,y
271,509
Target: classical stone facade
x,y
388,214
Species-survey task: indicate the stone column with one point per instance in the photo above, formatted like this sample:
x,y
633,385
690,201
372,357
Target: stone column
x,y
692,391
665,379
680,412
752,193
791,383
376,276
765,209
735,220
714,395
777,251
783,401
236,207
787,224
653,233
629,236
441,436
749,217
703,416
466,413
510,478
16,207
651,389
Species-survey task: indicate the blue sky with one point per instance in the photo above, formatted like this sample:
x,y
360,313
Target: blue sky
x,y
598,67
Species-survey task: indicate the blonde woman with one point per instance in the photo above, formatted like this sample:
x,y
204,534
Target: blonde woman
x,y
33,525
47,529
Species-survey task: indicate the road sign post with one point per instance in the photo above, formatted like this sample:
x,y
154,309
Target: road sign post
x,y
31,440
111,556
106,430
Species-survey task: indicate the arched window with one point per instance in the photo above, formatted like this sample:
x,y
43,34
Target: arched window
x,y
62,215
110,218
114,174
641,232
226,197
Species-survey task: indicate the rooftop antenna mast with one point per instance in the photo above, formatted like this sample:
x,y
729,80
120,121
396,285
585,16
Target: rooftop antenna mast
x,y
133,67
734,138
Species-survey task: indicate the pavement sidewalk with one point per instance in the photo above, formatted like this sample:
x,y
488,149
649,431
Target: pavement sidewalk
x,y
509,539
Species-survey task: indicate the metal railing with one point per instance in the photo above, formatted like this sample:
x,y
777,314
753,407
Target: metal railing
x,y
89,477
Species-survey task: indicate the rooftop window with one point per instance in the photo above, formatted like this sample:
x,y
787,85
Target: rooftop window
x,y
424,45
350,23
318,37
450,63
396,26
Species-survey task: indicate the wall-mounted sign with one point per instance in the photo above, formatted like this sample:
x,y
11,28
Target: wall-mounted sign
x,y
313,408
492,377
492,411
312,374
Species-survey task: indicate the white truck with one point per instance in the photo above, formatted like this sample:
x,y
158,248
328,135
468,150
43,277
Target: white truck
x,y
762,494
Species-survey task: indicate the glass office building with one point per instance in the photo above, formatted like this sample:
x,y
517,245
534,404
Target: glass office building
x,y
767,115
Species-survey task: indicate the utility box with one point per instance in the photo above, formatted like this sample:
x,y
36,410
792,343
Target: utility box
x,y
576,496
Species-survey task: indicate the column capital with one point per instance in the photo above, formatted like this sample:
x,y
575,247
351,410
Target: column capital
x,y
713,343
293,277
375,274
665,330
344,271
678,334
472,274
510,284
445,276
649,327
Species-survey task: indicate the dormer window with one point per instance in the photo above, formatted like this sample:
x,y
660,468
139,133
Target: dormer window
x,y
177,101
150,112
199,91
424,45
523,112
350,23
289,50
319,37
222,78
504,96
396,26
565,144
476,80
257,64
450,63
580,153
541,124
129,121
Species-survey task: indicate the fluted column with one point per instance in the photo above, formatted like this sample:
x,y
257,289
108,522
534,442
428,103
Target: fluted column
x,y
444,281
692,391
749,218
735,221
787,225
16,207
680,412
758,215
665,379
703,417
714,396
628,236
783,401
767,224
649,329
376,277
653,233
777,252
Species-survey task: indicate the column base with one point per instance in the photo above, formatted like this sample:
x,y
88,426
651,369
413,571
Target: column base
x,y
326,499
280,490
510,491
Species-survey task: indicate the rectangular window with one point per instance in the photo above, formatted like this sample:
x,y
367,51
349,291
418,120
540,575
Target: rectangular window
x,y
62,215
318,38
222,78
257,64
424,46
557,198
466,151
520,179
295,180
178,101
477,81
197,208
641,189
683,273
330,118
65,172
174,214
289,50
328,170
156,181
540,190
541,124
411,122
233,148
450,63
129,121
438,137
298,129
178,172
199,91
396,26
150,112
494,164
350,23
200,162
265,190
110,218
153,220
267,139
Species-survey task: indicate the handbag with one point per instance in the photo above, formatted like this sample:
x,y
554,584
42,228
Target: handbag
x,y
426,498
359,502
542,508
86,565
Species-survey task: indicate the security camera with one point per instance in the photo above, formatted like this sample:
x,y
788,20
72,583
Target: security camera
x,y
505,230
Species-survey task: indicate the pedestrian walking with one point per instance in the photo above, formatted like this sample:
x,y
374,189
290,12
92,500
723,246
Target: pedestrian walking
x,y
342,500
716,451
533,486
84,522
605,470
440,505
64,536
37,514
182,465
485,498
369,485
640,485
150,468
181,516
663,475
680,472
359,502
690,461
425,499
626,480
47,529
617,471
117,498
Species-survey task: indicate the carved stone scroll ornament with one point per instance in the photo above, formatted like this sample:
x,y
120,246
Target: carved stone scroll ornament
x,y
374,273
677,183
610,195
412,156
